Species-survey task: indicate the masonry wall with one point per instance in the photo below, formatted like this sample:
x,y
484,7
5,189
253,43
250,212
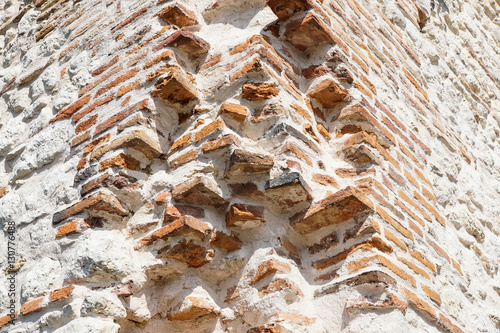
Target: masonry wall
x,y
249,166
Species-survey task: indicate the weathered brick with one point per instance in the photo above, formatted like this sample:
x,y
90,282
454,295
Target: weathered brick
x,y
199,190
286,9
395,224
324,244
99,201
3,191
67,229
90,146
414,267
126,88
68,111
105,66
376,277
244,216
183,159
130,19
120,161
336,208
69,49
289,146
84,125
420,305
227,140
381,260
32,306
60,293
282,284
269,267
210,128
110,122
189,253
165,55
79,139
131,73
138,140
246,190
288,190
390,236
246,163
186,41
7,319
178,15
106,180
226,242
100,80
256,91
325,180
80,114
365,227
234,111
193,307
175,87
307,32
183,226
367,245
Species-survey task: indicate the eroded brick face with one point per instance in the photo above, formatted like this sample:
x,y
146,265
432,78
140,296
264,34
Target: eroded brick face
x,y
326,166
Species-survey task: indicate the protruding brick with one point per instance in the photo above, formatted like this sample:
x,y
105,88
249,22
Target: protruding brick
x,y
234,111
216,125
175,87
189,253
329,93
256,91
120,161
336,208
244,216
200,191
370,277
285,9
185,40
243,163
307,32
288,190
419,304
99,201
173,212
181,227
178,15
68,111
324,244
226,242
227,140
269,267
139,140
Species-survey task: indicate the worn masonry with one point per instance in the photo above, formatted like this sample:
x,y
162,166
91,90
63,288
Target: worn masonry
x,y
250,166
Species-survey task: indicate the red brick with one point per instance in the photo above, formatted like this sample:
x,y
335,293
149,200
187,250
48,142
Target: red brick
x,y
174,212
79,139
199,190
189,253
211,62
100,80
324,244
308,32
244,216
131,73
247,163
68,111
186,41
226,242
183,159
80,114
395,224
175,87
139,106
227,140
210,128
99,202
381,260
336,208
81,164
367,245
178,15
130,19
165,55
60,293
90,146
126,88
420,305
183,226
86,124
329,93
258,91
285,9
102,68
325,180
120,161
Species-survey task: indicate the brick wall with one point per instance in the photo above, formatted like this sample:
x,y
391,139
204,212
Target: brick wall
x,y
251,166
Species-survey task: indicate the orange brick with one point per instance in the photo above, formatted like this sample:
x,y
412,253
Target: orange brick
x,y
224,141
420,257
433,295
130,19
84,125
131,73
184,158
414,267
67,229
79,139
80,114
68,111
32,306
398,226
126,88
208,129
142,105
420,305
90,146
100,80
390,236
102,68
81,164
365,262
121,161
60,293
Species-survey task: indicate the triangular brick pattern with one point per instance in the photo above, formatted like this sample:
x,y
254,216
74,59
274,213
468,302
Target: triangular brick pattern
x,y
255,160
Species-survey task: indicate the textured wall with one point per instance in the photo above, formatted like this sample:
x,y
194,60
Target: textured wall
x,y
243,166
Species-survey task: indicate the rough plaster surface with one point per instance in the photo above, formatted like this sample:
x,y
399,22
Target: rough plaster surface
x,y
142,251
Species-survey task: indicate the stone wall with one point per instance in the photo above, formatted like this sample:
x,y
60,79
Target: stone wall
x,y
249,166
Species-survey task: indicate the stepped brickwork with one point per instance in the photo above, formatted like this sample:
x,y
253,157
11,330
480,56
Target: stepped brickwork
x,y
249,166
